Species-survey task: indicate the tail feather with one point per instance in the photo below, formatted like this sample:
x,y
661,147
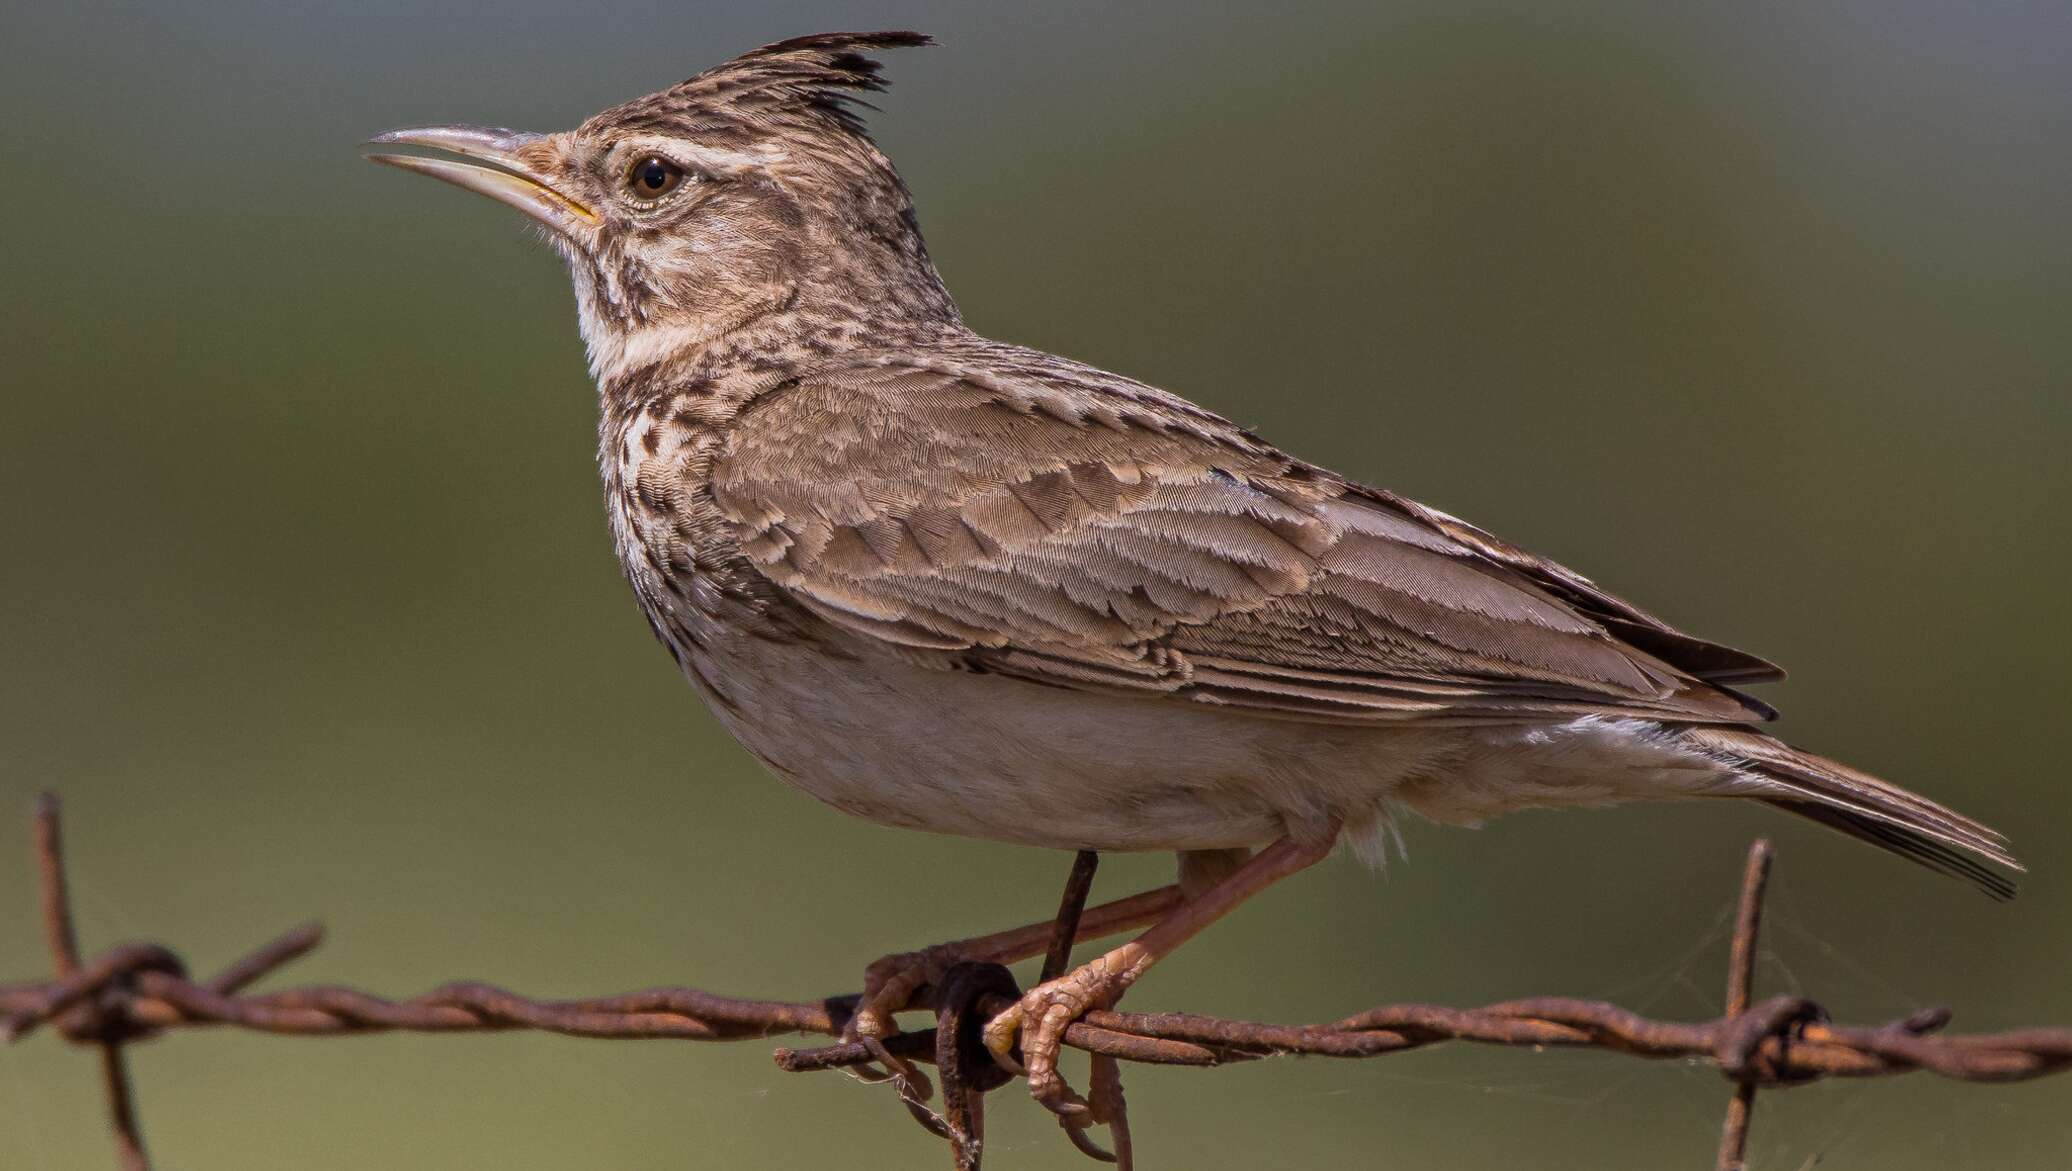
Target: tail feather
x,y
1916,847
1867,808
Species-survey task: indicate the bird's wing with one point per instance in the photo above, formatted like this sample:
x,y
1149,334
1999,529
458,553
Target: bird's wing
x,y
1045,520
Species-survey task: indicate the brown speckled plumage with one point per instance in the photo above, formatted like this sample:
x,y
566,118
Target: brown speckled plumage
x,y
945,582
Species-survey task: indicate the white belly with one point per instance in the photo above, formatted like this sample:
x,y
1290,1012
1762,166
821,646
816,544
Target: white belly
x,y
990,757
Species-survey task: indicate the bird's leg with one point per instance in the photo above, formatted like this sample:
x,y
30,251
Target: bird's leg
x,y
889,985
1045,1011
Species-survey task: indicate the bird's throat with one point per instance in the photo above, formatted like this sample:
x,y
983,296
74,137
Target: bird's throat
x,y
621,352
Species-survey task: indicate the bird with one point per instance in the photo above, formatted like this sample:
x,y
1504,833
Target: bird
x,y
948,583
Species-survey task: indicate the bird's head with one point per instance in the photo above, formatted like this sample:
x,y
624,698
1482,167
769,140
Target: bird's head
x,y
749,190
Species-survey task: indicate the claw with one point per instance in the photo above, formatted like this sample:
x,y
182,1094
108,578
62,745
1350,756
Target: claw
x,y
1086,1144
889,987
914,1086
999,1036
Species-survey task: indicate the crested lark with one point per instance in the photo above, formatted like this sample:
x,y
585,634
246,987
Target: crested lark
x,y
944,582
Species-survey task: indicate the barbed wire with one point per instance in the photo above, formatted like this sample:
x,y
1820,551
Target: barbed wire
x,y
135,991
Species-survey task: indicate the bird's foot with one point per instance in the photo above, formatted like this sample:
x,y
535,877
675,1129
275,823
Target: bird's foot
x,y
1040,1018
892,983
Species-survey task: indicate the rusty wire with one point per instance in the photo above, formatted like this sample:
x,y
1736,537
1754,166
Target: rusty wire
x,y
137,990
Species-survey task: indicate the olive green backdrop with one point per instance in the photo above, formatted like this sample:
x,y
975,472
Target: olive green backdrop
x,y
1756,314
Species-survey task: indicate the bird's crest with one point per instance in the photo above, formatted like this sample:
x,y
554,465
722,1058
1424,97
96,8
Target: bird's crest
x,y
819,75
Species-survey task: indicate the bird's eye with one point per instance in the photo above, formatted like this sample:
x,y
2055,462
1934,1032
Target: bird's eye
x,y
652,177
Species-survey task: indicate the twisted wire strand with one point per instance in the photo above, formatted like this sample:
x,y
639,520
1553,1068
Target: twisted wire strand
x,y
138,990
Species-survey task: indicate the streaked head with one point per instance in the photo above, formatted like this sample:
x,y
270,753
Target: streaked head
x,y
750,188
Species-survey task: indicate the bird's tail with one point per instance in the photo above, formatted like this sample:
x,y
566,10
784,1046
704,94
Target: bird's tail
x,y
1865,807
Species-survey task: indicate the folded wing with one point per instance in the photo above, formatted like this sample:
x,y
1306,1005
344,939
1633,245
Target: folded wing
x,y
1039,519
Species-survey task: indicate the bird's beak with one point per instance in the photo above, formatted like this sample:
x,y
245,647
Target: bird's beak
x,y
513,169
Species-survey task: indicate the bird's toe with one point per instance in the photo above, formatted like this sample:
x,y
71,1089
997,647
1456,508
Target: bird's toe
x,y
1038,1021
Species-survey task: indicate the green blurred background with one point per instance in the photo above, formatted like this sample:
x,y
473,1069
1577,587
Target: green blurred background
x,y
1756,313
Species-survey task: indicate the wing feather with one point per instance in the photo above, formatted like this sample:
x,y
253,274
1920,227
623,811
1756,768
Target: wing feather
x,y
1013,513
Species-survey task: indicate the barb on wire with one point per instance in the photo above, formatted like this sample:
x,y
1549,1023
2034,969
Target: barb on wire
x,y
137,990
1748,919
